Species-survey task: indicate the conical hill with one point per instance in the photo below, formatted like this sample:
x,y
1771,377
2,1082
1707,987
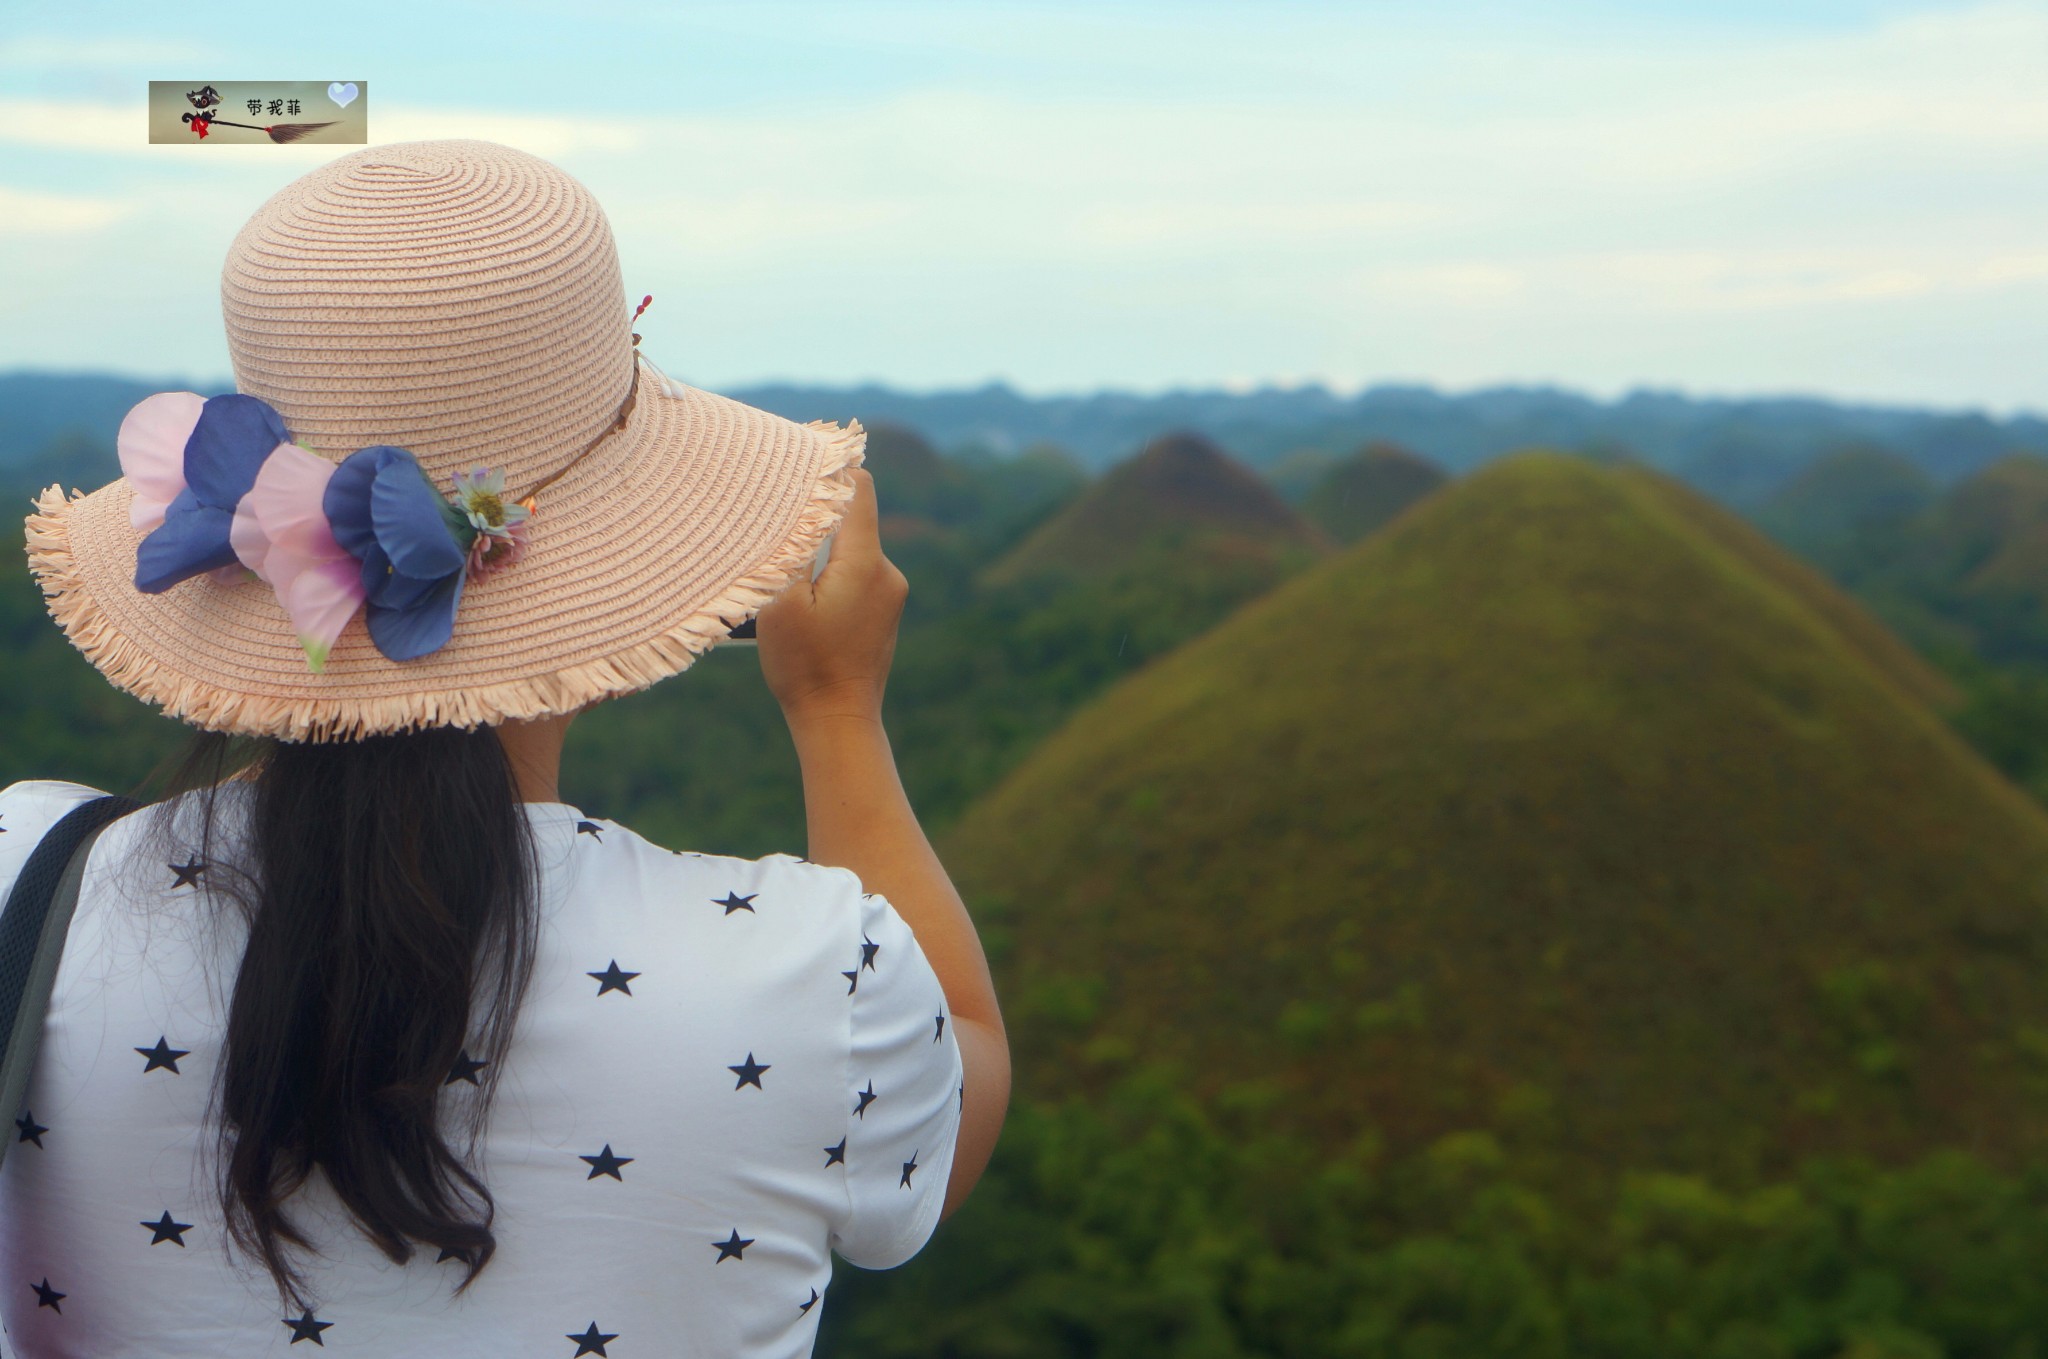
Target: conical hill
x,y
1557,809
1181,498
1847,495
1990,531
912,479
1367,489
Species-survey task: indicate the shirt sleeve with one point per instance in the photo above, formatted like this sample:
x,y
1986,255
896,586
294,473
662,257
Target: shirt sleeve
x,y
904,1097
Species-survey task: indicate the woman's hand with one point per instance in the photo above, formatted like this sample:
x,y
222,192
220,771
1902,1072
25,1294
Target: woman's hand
x,y
826,645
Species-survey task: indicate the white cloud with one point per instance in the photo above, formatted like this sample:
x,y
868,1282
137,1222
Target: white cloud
x,y
1698,282
1209,220
25,212
46,52
1471,283
73,125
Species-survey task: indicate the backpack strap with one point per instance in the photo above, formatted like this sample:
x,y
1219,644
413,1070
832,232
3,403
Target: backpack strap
x,y
32,929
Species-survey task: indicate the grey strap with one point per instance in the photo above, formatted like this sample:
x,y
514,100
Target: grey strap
x,y
32,934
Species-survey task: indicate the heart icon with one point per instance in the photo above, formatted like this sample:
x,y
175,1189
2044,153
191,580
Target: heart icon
x,y
341,94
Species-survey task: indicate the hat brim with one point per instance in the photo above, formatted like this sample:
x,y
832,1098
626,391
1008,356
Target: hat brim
x,y
642,556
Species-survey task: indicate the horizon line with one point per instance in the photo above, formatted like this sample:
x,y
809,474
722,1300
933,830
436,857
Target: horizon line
x,y
1245,389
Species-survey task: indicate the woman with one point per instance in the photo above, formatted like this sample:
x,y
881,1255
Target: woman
x,y
367,1041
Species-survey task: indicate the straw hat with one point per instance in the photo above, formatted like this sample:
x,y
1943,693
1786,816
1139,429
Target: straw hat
x,y
460,300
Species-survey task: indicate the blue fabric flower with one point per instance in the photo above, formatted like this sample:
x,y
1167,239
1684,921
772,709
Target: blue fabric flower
x,y
235,433
413,544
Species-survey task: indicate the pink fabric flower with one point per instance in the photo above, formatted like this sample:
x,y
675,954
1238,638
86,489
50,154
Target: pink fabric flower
x,y
491,553
281,533
152,448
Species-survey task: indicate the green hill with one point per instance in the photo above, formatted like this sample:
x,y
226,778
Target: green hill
x,y
1848,503
1968,572
1368,489
1294,474
1990,532
1182,498
1560,809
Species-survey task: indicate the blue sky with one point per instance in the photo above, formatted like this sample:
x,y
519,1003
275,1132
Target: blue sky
x,y
1738,197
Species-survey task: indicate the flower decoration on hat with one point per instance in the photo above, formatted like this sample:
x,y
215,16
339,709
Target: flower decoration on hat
x,y
235,498
221,489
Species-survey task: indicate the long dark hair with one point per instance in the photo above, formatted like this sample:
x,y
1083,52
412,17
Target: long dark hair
x,y
389,890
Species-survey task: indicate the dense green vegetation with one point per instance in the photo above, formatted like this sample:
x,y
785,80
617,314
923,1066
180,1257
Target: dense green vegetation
x,y
1145,1222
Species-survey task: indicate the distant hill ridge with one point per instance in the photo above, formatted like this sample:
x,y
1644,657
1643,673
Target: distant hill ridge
x,y
1584,815
1730,446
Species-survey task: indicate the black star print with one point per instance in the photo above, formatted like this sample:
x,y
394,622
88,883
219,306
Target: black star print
x,y
465,1069
31,1131
592,1341
867,1097
604,1163
163,1229
807,1306
732,1246
47,1296
735,902
591,829
868,949
909,1168
749,1072
836,1156
188,872
940,1031
611,979
305,1328
164,1055
852,980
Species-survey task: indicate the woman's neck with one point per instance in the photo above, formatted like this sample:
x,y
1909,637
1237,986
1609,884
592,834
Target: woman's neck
x,y
535,749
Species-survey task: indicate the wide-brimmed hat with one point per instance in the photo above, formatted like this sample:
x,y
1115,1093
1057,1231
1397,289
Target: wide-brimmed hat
x,y
455,305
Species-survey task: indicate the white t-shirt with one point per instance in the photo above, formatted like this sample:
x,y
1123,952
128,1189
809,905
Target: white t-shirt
x,y
725,1070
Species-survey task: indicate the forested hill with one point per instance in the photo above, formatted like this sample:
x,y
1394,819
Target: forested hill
x,y
1738,449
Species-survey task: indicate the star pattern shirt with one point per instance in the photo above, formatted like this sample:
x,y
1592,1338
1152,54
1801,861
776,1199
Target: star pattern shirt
x,y
697,1112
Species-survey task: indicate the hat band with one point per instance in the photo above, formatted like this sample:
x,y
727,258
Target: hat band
x,y
625,410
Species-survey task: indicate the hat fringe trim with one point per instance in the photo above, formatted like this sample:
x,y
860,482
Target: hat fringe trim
x,y
311,718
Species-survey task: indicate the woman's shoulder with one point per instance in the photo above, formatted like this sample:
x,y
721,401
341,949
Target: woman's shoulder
x,y
771,887
33,805
28,809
